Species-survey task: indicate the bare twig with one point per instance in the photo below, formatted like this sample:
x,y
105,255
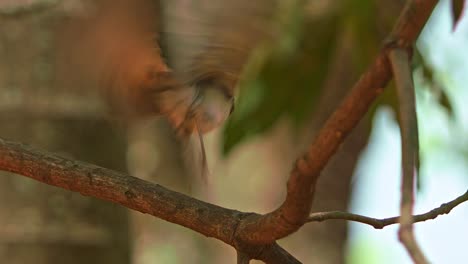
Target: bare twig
x,y
294,211
384,222
253,234
408,125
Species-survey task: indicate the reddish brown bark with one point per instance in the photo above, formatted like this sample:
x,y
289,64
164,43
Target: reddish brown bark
x,y
253,234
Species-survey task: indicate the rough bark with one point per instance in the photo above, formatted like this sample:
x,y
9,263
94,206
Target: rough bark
x,y
43,224
253,234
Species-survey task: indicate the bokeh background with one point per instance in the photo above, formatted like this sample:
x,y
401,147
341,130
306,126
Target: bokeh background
x,y
442,111
49,99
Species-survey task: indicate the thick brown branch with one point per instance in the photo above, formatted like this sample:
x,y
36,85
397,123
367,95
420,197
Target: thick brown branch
x,y
384,222
207,219
293,213
251,234
128,191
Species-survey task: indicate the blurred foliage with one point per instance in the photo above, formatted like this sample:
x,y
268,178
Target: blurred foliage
x,y
286,79
374,252
283,79
435,86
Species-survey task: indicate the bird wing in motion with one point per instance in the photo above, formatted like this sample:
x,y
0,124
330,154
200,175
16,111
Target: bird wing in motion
x,y
191,78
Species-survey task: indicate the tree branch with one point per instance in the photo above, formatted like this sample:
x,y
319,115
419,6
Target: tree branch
x,y
134,193
294,211
402,72
251,234
384,222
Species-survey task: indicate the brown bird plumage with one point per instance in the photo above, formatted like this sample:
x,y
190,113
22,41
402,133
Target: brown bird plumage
x,y
177,58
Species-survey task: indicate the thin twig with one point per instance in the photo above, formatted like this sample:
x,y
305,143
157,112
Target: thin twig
x,y
234,228
384,222
408,125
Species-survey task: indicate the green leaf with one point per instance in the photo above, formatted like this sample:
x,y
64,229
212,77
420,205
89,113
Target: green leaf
x,y
287,82
433,84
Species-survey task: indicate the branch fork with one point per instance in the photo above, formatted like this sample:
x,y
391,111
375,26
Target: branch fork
x,y
253,236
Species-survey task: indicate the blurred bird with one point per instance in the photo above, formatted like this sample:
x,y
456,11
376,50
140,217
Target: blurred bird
x,y
179,59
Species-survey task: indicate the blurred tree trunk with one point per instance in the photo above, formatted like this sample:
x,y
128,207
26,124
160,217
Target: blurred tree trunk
x,y
255,174
326,241
41,224
253,177
154,154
